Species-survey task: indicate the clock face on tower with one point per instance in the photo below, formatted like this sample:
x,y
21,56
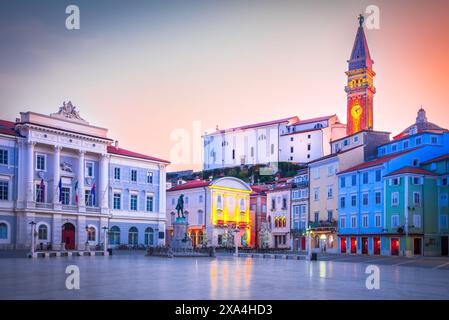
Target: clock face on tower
x,y
356,110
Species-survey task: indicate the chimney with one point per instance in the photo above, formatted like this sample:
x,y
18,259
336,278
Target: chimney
x,y
116,143
17,120
211,178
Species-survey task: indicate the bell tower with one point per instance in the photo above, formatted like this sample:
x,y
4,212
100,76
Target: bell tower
x,y
360,89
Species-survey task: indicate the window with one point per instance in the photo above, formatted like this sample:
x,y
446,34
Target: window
x,y
356,139
133,235
378,197
272,148
353,180
233,153
378,175
117,173
329,215
150,203
417,180
394,147
316,194
149,236
134,175
133,202
3,231
291,149
395,181
3,156
330,192
40,193
65,195
4,190
89,198
443,221
377,220
433,140
405,144
42,232
365,178
91,233
284,203
417,221
416,199
415,162
173,201
342,182
365,221
40,162
353,200
418,141
342,222
365,199
243,207
394,199
309,136
219,202
114,235
317,216
89,169
295,194
117,201
345,142
394,221
200,198
353,222
342,202
309,147
200,217
150,177
330,171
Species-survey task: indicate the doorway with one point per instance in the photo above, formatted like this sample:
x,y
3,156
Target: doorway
x,y
376,243
68,236
444,246
364,245
353,245
394,246
417,245
303,243
343,245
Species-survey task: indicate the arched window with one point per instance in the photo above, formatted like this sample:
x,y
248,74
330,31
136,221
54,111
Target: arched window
x,y
91,233
149,236
132,235
42,232
284,222
242,204
200,216
219,202
114,235
3,231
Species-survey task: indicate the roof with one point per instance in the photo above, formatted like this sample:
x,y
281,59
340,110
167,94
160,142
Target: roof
x,y
361,131
377,161
260,124
7,127
440,158
332,155
131,154
360,56
259,189
191,185
422,125
411,170
318,119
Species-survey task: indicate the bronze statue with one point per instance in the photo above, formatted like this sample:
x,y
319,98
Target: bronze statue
x,y
361,20
180,206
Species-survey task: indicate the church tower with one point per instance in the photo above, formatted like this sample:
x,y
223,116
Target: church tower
x,y
360,89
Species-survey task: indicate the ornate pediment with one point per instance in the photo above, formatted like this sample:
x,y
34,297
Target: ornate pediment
x,y
68,112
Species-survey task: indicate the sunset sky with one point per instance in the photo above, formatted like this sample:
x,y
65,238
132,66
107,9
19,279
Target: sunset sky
x,y
146,68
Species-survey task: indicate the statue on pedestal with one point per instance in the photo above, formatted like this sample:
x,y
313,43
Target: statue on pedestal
x,y
180,206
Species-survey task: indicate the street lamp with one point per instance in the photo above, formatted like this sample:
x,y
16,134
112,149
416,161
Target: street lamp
x,y
309,242
33,234
86,246
105,245
236,230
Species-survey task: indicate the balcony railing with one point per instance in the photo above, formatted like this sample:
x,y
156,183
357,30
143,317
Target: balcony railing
x,y
44,205
93,209
69,208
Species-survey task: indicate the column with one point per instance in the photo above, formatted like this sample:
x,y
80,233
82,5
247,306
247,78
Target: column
x,y
56,175
30,172
103,194
80,180
81,233
162,204
56,232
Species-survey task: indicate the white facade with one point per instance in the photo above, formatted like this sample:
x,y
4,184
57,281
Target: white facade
x,y
289,140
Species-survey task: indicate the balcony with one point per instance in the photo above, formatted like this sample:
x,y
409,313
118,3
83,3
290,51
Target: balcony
x,y
93,209
69,208
44,205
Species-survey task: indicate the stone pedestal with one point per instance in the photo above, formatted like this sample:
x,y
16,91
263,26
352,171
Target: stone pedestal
x,y
181,239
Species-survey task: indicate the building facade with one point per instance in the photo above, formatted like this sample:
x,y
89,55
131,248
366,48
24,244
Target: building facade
x,y
215,210
66,179
278,216
299,210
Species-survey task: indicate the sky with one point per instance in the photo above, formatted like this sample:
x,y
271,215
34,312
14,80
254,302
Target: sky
x,y
149,70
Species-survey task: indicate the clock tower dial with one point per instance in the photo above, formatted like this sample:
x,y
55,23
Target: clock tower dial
x,y
360,89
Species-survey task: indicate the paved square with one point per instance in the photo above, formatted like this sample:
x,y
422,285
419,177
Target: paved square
x,y
134,276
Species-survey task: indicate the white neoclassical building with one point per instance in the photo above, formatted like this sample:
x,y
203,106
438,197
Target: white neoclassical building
x,y
66,179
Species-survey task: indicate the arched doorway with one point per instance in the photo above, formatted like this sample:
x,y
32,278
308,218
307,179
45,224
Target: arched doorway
x,y
68,236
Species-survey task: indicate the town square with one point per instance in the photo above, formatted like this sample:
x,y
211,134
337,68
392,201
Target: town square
x,y
324,177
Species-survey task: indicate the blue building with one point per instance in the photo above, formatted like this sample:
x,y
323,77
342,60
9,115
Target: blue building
x,y
65,183
362,223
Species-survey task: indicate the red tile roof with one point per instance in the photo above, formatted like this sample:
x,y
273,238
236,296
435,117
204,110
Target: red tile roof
x,y
7,127
127,153
440,158
411,170
260,124
190,185
377,161
305,121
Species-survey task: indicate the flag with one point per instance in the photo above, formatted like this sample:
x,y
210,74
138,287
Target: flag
x,y
76,192
41,191
92,192
60,189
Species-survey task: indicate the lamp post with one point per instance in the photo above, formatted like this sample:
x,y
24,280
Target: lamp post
x,y
33,234
105,245
236,230
86,246
309,242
